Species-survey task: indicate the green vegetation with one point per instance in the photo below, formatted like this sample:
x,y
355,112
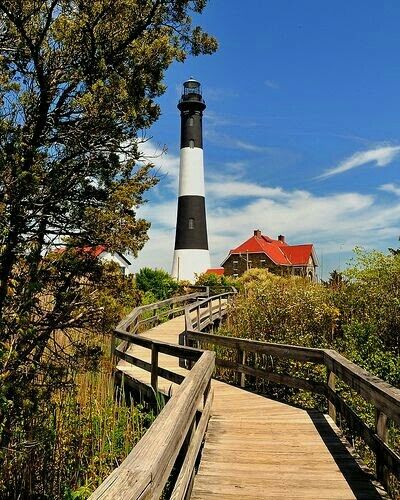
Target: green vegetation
x,y
356,313
156,284
78,84
76,439
217,284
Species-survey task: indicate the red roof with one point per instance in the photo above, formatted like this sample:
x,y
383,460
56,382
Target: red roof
x,y
277,250
94,251
219,271
298,254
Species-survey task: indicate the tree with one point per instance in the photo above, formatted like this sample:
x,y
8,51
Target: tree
x,y
217,284
157,282
78,83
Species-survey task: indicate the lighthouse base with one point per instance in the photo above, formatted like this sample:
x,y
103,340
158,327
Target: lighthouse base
x,y
189,262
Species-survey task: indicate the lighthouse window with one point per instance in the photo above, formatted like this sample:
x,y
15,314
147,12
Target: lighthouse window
x,y
191,121
191,143
191,223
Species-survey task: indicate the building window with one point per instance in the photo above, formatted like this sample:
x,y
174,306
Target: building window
x,y
191,121
191,144
235,263
262,263
191,223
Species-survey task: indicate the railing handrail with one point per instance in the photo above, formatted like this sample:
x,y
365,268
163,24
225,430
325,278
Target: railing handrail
x,y
147,467
137,311
385,397
372,388
329,357
192,307
145,471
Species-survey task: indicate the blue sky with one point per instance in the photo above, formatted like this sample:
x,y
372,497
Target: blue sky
x,y
302,128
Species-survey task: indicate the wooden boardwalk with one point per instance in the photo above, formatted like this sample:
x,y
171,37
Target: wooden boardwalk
x,y
257,448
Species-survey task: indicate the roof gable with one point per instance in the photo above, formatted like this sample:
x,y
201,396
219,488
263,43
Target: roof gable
x,y
298,255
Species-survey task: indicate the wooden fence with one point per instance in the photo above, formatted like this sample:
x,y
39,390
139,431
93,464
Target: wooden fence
x,y
385,398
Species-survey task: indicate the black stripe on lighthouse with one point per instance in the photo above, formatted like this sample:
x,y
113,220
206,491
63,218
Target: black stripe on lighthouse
x,y
191,227
191,127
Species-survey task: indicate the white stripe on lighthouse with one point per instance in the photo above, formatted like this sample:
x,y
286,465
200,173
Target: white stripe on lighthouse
x,y
191,172
190,262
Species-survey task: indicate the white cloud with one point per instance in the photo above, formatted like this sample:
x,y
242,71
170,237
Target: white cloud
x,y
335,222
218,188
382,156
247,146
390,188
271,84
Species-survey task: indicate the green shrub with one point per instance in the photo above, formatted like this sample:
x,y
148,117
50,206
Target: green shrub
x,y
156,281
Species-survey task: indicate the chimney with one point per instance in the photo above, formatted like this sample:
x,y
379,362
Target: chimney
x,y
257,233
281,238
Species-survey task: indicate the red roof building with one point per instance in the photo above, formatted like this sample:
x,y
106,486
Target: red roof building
x,y
277,256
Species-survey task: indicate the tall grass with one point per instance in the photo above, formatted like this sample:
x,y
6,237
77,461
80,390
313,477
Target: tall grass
x,y
74,440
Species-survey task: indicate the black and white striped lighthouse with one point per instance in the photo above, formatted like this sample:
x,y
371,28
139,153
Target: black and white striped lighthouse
x,y
191,255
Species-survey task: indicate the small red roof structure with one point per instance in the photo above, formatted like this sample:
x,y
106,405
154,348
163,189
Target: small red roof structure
x,y
219,271
94,251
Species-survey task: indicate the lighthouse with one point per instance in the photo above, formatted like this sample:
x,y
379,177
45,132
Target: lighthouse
x,y
191,254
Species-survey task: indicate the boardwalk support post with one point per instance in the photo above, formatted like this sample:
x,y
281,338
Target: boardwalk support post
x,y
154,367
198,317
241,360
331,384
381,429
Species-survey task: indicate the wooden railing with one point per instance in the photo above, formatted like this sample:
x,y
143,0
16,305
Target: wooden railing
x,y
201,317
176,435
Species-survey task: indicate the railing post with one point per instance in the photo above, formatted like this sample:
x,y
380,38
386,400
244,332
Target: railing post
x,y
241,360
198,317
220,307
381,429
154,367
210,311
331,384
206,393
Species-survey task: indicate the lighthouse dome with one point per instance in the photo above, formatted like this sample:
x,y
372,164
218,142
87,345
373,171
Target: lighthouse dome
x,y
191,96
